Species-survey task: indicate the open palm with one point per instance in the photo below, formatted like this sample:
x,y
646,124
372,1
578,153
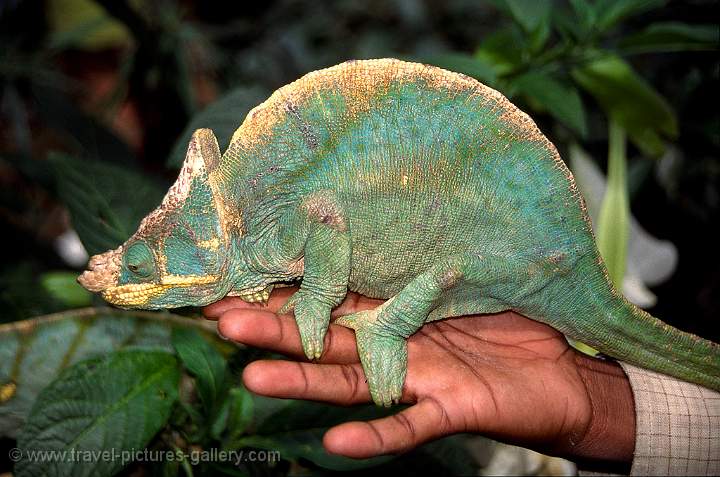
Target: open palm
x,y
502,375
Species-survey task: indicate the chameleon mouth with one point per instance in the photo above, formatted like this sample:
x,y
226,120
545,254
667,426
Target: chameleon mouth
x,y
138,294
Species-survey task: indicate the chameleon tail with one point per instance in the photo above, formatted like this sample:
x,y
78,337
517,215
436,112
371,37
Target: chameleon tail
x,y
621,330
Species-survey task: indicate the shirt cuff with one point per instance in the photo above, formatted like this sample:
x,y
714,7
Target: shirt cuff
x,y
677,425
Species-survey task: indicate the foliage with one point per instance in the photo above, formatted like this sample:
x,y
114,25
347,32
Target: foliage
x,y
116,402
33,352
103,142
548,73
119,388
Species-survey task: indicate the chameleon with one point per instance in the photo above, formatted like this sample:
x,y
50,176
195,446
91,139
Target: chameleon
x,y
400,181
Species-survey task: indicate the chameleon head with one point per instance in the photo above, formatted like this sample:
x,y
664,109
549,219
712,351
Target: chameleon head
x,y
177,257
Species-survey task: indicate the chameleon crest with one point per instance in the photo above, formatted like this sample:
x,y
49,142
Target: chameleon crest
x,y
398,181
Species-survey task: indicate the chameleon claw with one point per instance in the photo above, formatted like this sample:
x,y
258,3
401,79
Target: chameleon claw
x,y
313,350
257,296
289,305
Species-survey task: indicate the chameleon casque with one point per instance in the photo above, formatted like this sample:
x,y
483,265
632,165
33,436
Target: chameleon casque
x,y
399,181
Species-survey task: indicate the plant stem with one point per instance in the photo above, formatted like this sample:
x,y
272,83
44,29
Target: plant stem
x,y
614,219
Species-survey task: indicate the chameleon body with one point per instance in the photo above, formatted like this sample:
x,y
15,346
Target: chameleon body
x,y
399,181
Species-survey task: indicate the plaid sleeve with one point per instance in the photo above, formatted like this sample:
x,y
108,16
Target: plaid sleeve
x,y
677,425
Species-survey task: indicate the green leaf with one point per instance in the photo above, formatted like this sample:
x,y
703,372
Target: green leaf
x,y
539,36
503,50
33,352
204,362
672,36
570,28
447,456
240,412
466,64
223,116
295,428
534,18
561,100
84,25
611,12
20,293
219,419
288,414
63,286
530,15
452,454
585,13
630,101
613,228
106,202
116,402
307,444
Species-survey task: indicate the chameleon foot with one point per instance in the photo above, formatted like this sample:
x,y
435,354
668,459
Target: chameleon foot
x,y
312,317
382,354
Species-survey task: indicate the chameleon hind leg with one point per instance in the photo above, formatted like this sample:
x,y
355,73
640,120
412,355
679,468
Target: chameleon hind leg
x,y
316,231
381,333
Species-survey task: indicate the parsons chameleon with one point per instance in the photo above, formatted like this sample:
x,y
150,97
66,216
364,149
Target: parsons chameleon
x,y
399,181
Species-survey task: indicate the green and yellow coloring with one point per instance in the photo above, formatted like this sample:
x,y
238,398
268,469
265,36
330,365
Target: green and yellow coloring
x,y
399,181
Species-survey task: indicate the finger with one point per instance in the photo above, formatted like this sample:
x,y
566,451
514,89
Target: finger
x,y
355,302
398,433
267,330
342,384
352,303
277,299
215,310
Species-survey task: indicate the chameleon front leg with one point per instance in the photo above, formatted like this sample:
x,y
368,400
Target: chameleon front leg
x,y
381,334
317,232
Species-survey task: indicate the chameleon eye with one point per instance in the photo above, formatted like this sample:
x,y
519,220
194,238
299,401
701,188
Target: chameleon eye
x,y
139,260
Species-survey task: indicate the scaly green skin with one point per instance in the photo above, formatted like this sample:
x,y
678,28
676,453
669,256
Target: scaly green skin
x,y
398,181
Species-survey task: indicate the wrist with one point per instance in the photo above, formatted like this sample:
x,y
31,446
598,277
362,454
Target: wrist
x,y
607,438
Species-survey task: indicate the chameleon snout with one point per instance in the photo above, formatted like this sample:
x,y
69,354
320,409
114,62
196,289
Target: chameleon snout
x,y
103,271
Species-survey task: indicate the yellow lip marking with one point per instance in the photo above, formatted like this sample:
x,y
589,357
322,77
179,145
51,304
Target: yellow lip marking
x,y
138,294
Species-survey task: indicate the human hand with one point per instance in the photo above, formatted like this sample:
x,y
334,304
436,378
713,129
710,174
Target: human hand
x,y
502,375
